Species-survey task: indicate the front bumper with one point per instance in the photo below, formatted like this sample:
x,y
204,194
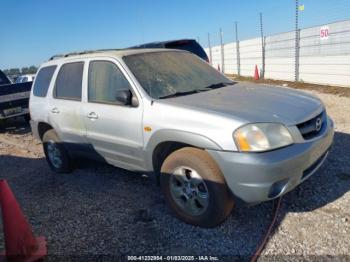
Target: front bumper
x,y
258,177
24,111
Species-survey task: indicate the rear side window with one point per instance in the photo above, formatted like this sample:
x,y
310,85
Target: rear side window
x,y
69,81
105,79
43,80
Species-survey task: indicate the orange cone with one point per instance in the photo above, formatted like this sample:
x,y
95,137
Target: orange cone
x,y
20,243
256,73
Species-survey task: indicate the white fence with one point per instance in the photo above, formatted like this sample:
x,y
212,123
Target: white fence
x,y
323,56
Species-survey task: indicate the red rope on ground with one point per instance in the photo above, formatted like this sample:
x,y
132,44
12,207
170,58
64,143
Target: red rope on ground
x,y
267,234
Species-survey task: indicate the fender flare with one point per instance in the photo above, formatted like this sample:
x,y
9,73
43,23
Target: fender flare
x,y
179,136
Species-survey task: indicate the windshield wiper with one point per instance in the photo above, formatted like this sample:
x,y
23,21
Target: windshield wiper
x,y
207,88
218,85
180,94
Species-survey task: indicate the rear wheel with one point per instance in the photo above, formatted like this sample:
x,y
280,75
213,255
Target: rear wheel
x,y
195,188
55,153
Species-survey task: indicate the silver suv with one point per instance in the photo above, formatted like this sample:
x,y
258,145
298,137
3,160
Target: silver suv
x,y
167,112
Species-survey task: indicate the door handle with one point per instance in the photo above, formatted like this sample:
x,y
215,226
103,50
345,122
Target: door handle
x,y
55,110
92,115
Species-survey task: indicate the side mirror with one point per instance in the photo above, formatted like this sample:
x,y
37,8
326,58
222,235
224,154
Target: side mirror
x,y
134,101
123,97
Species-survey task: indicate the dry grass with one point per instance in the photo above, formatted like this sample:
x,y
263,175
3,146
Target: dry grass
x,y
326,89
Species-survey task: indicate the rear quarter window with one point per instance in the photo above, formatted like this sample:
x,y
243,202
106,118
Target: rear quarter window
x,y
69,81
43,80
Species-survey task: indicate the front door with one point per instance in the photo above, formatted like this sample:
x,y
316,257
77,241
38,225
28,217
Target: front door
x,y
113,129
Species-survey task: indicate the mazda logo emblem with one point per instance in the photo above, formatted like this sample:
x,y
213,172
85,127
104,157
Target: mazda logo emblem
x,y
318,124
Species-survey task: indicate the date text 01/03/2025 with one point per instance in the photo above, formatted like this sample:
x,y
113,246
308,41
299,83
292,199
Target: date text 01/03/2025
x,y
172,258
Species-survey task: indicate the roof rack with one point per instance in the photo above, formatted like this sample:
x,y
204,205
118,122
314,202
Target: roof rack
x,y
81,53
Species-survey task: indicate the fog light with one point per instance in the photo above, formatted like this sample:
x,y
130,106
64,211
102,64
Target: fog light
x,y
277,188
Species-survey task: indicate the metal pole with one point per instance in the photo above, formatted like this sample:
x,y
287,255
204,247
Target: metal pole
x,y
222,54
296,73
210,53
262,48
237,52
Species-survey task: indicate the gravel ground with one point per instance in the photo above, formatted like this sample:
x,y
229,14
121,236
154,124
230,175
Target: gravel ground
x,y
103,210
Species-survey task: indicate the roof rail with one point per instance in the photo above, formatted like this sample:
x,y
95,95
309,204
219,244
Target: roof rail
x,y
81,53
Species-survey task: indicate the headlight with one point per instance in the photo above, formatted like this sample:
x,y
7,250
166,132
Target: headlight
x,y
262,137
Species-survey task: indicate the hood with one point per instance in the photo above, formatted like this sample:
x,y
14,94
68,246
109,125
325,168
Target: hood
x,y
255,103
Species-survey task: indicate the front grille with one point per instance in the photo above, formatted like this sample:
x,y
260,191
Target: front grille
x,y
313,127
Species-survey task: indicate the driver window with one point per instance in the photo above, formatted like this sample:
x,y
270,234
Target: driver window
x,y
105,79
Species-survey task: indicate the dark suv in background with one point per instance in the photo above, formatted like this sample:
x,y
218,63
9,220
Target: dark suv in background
x,y
190,45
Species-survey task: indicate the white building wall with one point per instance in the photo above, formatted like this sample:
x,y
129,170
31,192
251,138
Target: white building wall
x,y
321,61
326,61
230,58
280,56
250,55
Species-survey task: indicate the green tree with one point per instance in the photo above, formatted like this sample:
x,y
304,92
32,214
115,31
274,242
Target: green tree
x,y
24,70
14,71
33,69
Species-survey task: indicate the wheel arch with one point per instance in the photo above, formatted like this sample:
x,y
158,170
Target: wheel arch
x,y
164,142
43,127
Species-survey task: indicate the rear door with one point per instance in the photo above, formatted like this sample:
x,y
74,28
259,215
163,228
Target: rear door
x,y
65,104
114,130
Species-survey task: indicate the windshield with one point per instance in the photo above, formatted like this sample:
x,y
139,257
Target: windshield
x,y
165,74
19,80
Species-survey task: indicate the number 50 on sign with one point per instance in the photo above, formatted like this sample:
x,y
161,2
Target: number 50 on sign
x,y
324,32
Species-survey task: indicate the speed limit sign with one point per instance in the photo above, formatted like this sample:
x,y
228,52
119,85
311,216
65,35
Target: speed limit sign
x,y
324,32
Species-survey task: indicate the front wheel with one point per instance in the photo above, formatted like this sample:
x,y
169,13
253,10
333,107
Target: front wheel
x,y
195,188
56,155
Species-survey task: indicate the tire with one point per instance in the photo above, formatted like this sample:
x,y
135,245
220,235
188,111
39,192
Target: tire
x,y
56,155
205,205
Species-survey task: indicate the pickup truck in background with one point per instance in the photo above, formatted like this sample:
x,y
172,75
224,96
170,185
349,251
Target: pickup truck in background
x,y
4,80
14,98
